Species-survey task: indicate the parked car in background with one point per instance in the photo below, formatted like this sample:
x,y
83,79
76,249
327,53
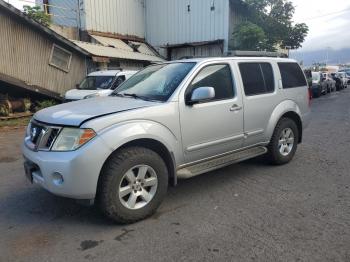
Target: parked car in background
x,y
346,71
344,78
173,120
331,84
100,83
319,86
338,81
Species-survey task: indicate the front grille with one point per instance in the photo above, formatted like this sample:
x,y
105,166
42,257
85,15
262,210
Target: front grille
x,y
42,136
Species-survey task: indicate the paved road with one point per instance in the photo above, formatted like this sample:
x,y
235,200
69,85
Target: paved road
x,y
246,212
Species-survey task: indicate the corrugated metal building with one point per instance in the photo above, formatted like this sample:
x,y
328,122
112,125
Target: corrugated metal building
x,y
175,28
190,27
34,57
118,17
110,23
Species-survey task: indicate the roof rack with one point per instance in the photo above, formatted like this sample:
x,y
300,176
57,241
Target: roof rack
x,y
240,53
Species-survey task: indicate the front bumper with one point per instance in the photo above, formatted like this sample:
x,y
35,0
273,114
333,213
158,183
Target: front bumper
x,y
79,169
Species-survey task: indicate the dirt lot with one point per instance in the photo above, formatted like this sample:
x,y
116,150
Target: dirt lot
x,y
245,212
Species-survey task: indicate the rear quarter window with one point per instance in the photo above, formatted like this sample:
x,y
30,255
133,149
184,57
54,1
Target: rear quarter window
x,y
292,75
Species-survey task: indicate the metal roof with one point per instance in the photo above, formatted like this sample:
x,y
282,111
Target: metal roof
x,y
112,42
107,51
144,48
36,25
141,47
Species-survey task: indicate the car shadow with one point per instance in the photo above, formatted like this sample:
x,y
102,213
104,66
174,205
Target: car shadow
x,y
34,205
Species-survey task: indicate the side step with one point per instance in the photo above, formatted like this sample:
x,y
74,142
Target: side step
x,y
219,162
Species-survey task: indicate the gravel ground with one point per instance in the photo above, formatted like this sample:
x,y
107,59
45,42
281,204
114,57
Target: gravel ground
x,y
246,212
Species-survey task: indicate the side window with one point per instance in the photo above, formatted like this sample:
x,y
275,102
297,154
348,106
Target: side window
x,y
268,77
217,76
292,75
257,78
118,81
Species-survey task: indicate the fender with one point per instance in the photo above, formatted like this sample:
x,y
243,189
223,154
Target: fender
x,y
281,109
121,133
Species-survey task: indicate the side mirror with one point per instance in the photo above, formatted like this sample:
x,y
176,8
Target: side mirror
x,y
77,86
201,94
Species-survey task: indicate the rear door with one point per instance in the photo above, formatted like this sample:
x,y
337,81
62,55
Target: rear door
x,y
259,85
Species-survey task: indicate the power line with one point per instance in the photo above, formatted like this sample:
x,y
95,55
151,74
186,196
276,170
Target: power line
x,y
327,14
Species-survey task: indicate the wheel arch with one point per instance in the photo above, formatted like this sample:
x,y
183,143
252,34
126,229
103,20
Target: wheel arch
x,y
154,145
288,109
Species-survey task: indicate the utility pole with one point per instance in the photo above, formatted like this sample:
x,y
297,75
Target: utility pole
x,y
78,20
327,55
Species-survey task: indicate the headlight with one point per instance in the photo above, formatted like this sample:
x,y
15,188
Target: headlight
x,y
91,96
72,138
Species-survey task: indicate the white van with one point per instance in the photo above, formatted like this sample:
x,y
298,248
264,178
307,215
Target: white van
x,y
100,83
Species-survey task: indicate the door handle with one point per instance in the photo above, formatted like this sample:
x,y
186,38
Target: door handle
x,y
235,107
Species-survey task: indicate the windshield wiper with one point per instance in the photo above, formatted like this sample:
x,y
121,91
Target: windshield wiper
x,y
133,96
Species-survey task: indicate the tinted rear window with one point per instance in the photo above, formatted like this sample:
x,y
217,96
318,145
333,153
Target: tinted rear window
x,y
257,78
292,75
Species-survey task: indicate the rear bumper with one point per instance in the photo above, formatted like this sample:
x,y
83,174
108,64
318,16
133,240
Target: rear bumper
x,y
79,169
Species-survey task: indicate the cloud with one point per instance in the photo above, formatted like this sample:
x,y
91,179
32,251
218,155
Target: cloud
x,y
329,24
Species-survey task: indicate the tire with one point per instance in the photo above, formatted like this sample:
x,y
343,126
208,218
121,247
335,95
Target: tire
x,y
117,173
274,154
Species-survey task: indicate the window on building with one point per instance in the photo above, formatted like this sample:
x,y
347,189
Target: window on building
x,y
60,58
292,75
217,76
257,78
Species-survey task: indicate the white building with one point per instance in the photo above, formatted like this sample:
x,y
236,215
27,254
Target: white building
x,y
175,28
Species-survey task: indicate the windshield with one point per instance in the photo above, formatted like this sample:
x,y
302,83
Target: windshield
x,y
156,82
96,82
315,76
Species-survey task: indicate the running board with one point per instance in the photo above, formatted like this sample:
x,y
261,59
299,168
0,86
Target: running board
x,y
219,162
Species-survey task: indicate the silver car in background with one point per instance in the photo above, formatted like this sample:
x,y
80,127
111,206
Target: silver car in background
x,y
169,121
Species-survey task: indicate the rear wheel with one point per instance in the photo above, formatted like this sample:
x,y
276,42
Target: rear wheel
x,y
284,142
133,184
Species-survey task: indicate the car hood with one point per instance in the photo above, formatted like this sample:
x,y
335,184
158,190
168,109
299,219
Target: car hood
x,y
75,113
77,94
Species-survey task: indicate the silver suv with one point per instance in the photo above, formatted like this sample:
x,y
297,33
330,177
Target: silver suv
x,y
169,121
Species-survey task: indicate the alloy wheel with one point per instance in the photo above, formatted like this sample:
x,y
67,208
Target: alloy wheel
x,y
138,187
286,141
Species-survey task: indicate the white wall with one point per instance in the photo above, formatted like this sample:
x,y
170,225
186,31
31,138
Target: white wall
x,y
170,22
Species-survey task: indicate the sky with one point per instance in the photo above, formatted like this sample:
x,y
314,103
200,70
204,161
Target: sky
x,y
19,3
328,21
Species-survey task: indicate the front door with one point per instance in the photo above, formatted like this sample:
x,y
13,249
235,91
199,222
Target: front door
x,y
212,127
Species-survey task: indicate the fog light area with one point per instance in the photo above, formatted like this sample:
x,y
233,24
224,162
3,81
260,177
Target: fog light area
x,y
57,178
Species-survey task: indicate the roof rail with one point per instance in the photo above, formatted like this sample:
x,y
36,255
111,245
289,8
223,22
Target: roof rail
x,y
256,53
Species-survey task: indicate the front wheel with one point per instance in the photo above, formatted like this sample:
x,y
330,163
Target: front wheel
x,y
284,142
132,185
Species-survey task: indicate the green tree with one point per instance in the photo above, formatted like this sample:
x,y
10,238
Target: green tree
x,y
249,36
275,19
37,14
